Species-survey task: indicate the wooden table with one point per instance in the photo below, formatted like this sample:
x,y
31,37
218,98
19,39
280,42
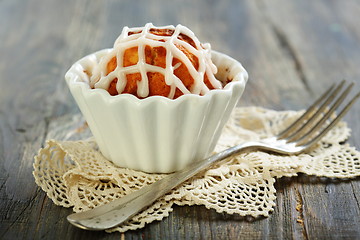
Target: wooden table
x,y
291,49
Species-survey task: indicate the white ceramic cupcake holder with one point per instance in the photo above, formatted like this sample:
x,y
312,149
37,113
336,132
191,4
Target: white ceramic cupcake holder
x,y
157,134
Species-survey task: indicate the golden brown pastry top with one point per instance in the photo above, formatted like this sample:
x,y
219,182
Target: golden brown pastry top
x,y
167,61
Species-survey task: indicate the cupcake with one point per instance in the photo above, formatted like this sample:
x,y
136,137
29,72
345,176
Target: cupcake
x,y
157,100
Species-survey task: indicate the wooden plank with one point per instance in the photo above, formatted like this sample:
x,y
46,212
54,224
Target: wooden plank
x,y
322,41
37,55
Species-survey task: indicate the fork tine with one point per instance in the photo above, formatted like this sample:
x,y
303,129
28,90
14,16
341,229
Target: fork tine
x,y
315,117
323,101
327,116
306,114
333,123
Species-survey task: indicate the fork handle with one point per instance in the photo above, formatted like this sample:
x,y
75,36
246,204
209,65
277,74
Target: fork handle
x,y
120,210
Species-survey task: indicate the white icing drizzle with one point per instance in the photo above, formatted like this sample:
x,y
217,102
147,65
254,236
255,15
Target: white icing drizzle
x,y
142,37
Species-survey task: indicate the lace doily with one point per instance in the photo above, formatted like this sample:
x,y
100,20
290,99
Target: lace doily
x,y
75,174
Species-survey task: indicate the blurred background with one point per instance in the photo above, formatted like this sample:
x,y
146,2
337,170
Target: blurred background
x,y
299,42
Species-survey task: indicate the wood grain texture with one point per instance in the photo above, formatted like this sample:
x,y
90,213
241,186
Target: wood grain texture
x,y
292,50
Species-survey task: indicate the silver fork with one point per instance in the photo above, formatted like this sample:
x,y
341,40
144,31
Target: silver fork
x,y
298,137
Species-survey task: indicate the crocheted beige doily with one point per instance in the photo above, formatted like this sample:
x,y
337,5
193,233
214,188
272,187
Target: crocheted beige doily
x,y
75,174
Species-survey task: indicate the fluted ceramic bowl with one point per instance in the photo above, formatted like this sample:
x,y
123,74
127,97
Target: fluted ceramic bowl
x,y
157,134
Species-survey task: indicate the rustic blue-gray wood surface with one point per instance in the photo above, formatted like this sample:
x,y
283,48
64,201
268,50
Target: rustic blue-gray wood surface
x,y
292,50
